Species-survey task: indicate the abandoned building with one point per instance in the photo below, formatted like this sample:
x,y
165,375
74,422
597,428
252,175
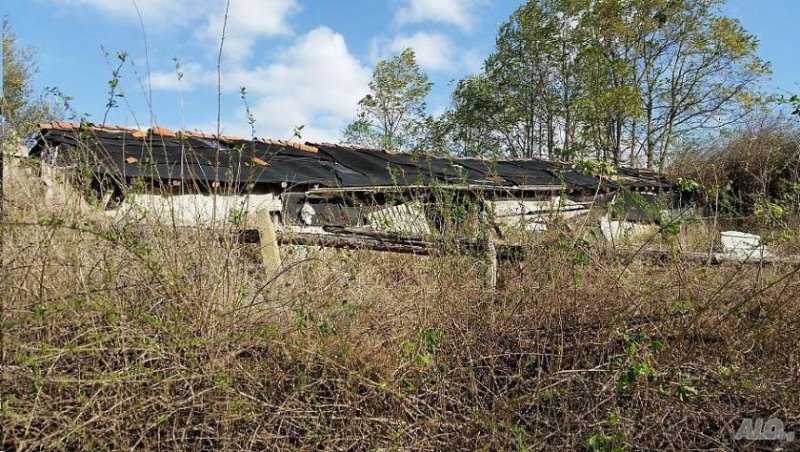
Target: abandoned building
x,y
192,178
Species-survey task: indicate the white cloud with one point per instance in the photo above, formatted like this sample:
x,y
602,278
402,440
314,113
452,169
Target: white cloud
x,y
157,12
248,20
434,51
191,76
315,82
454,12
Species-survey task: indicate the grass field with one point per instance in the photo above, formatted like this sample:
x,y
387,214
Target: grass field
x,y
159,338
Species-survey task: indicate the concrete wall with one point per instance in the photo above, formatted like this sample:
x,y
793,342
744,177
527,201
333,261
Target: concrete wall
x,y
194,209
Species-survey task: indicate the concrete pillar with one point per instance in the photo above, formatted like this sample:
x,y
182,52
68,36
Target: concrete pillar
x,y
270,251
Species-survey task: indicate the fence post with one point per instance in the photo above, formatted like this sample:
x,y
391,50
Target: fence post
x,y
270,252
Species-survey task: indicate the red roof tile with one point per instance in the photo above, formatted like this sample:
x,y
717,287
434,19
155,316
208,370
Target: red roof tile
x,y
163,131
260,162
166,132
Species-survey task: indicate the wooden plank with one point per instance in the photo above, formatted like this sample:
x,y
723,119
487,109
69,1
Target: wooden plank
x,y
353,242
365,239
362,239
511,208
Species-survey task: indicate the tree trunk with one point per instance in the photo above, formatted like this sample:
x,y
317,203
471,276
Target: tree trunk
x,y
618,140
550,136
632,157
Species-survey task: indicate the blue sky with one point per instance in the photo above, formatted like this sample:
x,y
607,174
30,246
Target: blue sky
x,y
301,61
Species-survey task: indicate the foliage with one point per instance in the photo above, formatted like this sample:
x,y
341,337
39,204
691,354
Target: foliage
x,y
392,115
114,92
471,126
794,101
612,79
688,185
752,171
599,442
22,106
595,168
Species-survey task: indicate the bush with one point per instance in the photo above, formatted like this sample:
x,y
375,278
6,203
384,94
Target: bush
x,y
754,171
153,338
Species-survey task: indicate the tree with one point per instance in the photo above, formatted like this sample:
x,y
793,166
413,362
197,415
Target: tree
x,y
393,114
473,126
521,78
572,78
22,106
698,70
607,75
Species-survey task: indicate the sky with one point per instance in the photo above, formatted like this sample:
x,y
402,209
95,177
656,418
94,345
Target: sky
x,y
301,62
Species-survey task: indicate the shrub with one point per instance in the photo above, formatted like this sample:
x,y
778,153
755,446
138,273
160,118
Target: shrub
x,y
752,171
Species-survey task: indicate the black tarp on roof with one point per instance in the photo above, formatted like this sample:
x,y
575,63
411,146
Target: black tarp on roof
x,y
125,154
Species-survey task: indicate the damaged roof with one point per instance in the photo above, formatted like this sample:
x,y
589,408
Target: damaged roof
x,y
160,153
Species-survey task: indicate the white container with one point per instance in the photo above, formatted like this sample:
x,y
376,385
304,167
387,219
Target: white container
x,y
745,245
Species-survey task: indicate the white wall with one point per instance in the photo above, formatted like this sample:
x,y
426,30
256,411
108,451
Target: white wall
x,y
193,209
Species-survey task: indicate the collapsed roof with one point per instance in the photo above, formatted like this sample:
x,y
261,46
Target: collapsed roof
x,y
162,154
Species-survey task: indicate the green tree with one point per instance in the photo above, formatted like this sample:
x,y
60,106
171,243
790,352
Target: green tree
x,y
522,77
697,69
474,126
613,78
393,115
607,75
22,106
529,91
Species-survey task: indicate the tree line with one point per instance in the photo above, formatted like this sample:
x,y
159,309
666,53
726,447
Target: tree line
x,y
621,81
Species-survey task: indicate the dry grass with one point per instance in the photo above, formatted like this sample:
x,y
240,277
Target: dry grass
x,y
742,171
155,338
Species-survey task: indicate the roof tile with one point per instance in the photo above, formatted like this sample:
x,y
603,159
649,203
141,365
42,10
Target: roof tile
x,y
166,132
163,131
260,162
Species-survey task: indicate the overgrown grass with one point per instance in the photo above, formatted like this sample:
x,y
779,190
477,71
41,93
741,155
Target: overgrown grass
x,y
158,338
749,177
